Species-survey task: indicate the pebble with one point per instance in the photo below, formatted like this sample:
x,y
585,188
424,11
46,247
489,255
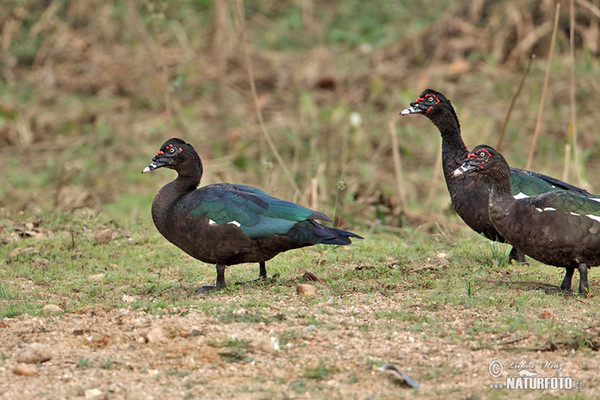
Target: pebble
x,y
51,309
267,344
156,335
104,236
35,353
97,277
128,299
93,393
306,290
23,370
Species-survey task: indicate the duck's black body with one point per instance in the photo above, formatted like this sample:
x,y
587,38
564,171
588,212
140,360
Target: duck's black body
x,y
469,194
560,228
227,224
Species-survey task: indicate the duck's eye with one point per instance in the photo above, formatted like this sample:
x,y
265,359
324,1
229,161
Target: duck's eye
x,y
482,154
171,150
430,99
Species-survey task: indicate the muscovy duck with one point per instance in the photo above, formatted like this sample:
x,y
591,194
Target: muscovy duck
x,y
469,193
226,224
560,228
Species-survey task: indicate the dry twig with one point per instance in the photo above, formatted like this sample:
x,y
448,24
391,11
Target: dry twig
x,y
513,101
544,87
397,168
259,115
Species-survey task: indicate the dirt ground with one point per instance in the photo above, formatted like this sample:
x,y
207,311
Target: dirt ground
x,y
103,353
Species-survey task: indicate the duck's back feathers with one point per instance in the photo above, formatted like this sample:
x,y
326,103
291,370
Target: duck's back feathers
x,y
260,215
526,183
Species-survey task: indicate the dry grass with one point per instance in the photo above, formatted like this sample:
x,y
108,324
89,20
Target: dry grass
x,y
94,87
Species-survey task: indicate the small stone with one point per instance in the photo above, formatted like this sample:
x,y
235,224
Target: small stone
x,y
40,263
128,299
51,309
35,353
156,335
93,393
546,314
104,236
267,344
23,370
97,277
306,290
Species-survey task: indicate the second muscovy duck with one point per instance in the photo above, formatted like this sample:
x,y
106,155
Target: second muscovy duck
x,y
226,224
469,193
560,228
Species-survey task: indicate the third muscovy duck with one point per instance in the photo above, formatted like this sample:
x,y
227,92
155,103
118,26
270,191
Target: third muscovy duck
x,y
560,228
226,224
469,193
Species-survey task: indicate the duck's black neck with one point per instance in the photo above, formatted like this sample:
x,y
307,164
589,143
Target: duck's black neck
x,y
501,189
189,173
454,150
188,178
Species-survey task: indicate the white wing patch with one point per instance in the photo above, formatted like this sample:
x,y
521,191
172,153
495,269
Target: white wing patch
x,y
545,209
211,222
595,199
594,217
521,195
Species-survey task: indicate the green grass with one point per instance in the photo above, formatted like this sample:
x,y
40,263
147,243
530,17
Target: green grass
x,y
75,145
141,270
319,372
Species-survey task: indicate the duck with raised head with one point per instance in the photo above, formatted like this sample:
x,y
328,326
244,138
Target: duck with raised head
x,y
559,228
469,193
226,224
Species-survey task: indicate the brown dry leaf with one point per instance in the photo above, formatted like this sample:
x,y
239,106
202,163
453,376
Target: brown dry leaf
x,y
40,263
19,250
310,277
96,340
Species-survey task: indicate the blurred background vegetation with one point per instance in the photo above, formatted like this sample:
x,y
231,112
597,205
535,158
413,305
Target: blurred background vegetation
x,y
89,90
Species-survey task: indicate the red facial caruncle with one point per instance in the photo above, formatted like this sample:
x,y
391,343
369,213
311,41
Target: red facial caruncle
x,y
481,153
433,96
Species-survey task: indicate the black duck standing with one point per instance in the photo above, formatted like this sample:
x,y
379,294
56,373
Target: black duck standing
x,y
469,194
560,228
226,224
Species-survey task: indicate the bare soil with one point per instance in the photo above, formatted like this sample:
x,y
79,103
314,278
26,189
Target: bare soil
x,y
296,349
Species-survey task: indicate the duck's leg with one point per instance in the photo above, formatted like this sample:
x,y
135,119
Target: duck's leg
x,y
262,271
516,256
566,283
262,274
220,276
584,287
220,280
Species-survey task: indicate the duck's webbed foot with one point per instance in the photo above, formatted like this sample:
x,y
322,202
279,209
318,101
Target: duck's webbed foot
x,y
220,281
